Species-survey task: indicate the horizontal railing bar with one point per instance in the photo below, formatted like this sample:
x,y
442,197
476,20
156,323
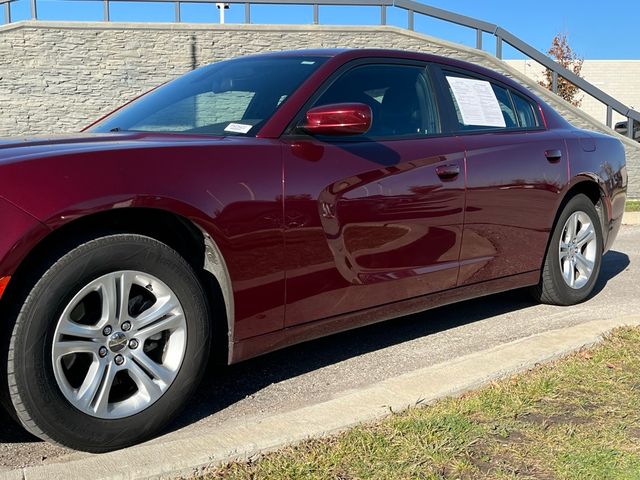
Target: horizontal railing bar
x,y
446,15
355,3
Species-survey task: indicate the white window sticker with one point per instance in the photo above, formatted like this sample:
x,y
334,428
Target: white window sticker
x,y
477,102
237,128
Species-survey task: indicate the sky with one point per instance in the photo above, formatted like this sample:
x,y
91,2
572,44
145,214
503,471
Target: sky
x,y
596,29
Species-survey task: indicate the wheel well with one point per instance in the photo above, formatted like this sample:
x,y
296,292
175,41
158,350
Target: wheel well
x,y
175,231
592,190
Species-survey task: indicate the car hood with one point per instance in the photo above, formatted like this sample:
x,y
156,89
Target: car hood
x,y
24,148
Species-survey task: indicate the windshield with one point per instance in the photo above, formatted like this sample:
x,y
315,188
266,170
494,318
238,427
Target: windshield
x,y
234,97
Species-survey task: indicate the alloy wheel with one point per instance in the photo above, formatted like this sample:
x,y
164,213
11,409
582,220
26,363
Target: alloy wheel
x,y
119,344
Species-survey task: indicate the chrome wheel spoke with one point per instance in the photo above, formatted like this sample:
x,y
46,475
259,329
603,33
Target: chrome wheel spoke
x,y
586,235
169,323
584,266
568,272
70,328
160,373
114,290
89,389
100,403
162,308
151,390
61,349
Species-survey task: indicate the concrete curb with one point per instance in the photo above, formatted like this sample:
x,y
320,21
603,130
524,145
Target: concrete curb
x,y
631,218
251,436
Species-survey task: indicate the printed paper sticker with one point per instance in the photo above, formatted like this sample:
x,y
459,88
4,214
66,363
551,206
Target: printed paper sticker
x,y
477,102
237,128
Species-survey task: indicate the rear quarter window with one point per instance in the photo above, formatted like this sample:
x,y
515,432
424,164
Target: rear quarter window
x,y
526,111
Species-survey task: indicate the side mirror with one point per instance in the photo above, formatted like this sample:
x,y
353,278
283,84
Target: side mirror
x,y
338,119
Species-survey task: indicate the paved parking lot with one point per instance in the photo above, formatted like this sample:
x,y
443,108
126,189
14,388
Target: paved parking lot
x,y
325,368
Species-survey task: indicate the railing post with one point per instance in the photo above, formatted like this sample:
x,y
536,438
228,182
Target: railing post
x,y
316,14
609,116
630,127
34,10
479,39
247,12
499,47
106,13
410,19
383,14
7,12
554,81
178,16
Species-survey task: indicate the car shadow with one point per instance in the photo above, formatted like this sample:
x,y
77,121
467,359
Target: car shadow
x,y
227,385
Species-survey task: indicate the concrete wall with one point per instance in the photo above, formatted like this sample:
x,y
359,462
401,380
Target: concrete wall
x,y
58,77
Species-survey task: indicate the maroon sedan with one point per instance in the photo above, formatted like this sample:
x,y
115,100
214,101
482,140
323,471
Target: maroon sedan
x,y
268,200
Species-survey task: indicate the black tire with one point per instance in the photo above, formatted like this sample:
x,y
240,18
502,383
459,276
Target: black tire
x,y
40,404
552,288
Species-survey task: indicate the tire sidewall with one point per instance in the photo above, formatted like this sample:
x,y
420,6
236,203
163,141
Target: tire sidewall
x,y
31,344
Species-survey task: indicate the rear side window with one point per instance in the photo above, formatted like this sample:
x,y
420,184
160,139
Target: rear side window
x,y
484,105
400,96
526,111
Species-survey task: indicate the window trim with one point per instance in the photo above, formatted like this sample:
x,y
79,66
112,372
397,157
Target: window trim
x,y
292,133
450,113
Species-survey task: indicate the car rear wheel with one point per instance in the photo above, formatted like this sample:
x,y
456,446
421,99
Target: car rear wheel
x,y
574,255
109,344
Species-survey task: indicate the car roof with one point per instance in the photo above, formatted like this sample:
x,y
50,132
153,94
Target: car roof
x,y
344,55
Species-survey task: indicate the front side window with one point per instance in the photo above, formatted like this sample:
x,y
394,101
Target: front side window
x,y
400,96
235,97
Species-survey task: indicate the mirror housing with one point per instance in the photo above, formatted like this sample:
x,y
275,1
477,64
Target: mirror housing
x,y
338,119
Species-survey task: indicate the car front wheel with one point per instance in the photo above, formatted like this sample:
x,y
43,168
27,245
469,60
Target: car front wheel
x,y
573,258
109,344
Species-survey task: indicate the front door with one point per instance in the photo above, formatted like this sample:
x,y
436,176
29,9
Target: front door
x,y
374,219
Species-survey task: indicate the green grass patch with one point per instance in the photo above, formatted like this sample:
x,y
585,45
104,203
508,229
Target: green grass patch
x,y
632,206
578,418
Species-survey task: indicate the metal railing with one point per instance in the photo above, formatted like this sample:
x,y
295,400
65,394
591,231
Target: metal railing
x,y
412,8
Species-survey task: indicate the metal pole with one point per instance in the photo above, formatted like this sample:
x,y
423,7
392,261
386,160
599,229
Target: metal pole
x,y
247,13
316,14
34,10
479,39
554,81
107,15
178,16
609,116
7,13
499,47
630,127
383,14
410,19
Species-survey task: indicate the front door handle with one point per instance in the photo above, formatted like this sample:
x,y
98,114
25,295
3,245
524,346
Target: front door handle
x,y
448,172
553,155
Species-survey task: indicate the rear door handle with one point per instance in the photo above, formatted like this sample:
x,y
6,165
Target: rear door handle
x,y
553,155
448,172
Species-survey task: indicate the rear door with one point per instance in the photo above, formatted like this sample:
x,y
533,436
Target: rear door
x,y
377,218
516,170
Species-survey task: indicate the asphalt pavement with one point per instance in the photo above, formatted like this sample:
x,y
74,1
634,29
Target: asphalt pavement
x,y
323,369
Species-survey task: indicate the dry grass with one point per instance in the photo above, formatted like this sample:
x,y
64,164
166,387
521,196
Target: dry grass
x,y
578,418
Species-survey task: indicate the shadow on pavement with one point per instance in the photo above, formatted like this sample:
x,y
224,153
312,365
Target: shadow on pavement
x,y
227,385
223,386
